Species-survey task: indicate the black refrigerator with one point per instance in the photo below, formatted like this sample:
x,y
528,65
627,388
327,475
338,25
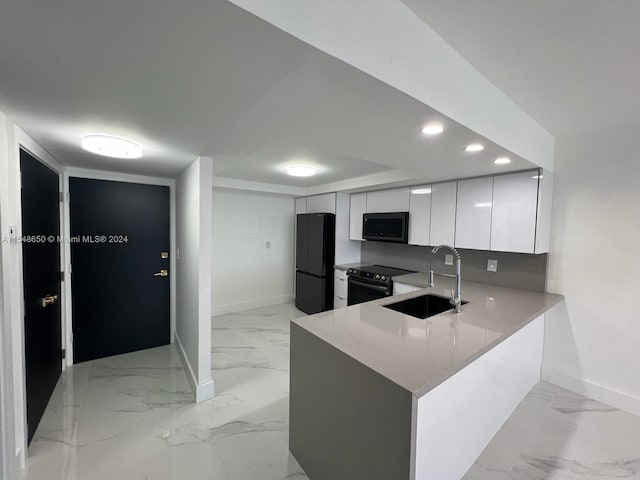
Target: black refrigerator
x,y
315,250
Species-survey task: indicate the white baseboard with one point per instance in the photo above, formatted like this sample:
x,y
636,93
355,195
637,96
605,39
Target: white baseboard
x,y
201,392
602,394
239,307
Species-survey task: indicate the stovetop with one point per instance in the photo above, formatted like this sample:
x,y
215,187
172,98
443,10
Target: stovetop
x,y
377,273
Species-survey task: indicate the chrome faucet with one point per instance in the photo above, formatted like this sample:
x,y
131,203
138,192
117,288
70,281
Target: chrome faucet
x,y
456,297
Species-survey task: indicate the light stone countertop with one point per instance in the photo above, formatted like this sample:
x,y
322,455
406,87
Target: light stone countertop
x,y
347,266
418,354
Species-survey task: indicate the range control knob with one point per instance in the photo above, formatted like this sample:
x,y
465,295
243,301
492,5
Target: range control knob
x,y
350,271
384,278
377,276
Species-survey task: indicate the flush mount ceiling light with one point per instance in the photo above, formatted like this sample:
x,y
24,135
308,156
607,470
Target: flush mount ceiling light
x,y
474,147
109,146
432,129
421,191
301,170
537,176
502,161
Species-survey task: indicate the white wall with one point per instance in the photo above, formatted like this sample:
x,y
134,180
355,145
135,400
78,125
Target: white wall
x,y
8,465
593,343
193,276
247,273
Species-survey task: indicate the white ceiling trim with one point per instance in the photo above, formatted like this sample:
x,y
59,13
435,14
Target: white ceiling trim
x,y
235,184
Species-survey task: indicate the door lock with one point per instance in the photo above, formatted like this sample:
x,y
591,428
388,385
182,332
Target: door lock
x,y
48,300
161,273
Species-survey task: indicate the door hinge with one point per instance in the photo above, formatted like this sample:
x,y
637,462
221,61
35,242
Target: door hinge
x,y
61,197
63,353
62,276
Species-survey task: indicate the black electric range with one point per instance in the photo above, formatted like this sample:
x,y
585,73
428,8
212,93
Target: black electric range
x,y
371,282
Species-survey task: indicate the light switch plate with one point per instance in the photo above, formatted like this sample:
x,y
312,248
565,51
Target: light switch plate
x,y
267,244
448,259
492,265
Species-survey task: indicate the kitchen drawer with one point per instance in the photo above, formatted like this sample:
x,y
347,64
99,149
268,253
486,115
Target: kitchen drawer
x,y
340,284
339,302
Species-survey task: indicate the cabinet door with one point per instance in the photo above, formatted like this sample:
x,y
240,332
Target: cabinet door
x,y
473,213
393,200
443,213
322,203
419,215
357,208
513,224
339,302
340,288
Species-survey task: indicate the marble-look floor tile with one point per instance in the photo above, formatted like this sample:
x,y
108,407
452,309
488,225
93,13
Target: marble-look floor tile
x,y
132,416
555,434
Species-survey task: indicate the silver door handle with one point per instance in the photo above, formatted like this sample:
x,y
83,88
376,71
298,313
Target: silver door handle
x,y
48,300
161,273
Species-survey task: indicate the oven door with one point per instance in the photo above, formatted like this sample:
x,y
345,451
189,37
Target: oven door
x,y
361,291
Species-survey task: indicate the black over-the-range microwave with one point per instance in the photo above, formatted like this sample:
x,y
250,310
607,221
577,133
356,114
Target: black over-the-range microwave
x,y
386,227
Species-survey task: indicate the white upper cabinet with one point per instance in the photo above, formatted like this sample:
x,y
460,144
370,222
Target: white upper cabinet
x,y
301,205
419,215
515,202
473,213
322,203
443,213
357,208
394,200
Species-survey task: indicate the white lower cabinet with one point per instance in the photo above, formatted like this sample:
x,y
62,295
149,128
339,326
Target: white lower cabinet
x,y
340,284
400,288
340,289
339,302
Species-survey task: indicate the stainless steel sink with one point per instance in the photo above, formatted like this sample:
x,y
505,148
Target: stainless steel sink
x,y
423,306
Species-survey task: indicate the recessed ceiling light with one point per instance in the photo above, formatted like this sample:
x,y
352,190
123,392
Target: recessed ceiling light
x,y
502,161
537,176
301,170
421,191
109,146
432,129
482,204
474,147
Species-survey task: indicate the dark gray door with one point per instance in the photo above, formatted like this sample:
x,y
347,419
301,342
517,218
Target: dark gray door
x,y
120,267
41,277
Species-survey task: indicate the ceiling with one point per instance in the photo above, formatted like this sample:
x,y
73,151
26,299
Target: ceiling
x,y
573,65
203,77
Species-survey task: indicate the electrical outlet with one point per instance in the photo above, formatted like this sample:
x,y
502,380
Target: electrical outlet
x,y
492,265
448,259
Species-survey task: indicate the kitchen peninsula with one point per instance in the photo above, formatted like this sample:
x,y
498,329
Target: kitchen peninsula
x,y
377,394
